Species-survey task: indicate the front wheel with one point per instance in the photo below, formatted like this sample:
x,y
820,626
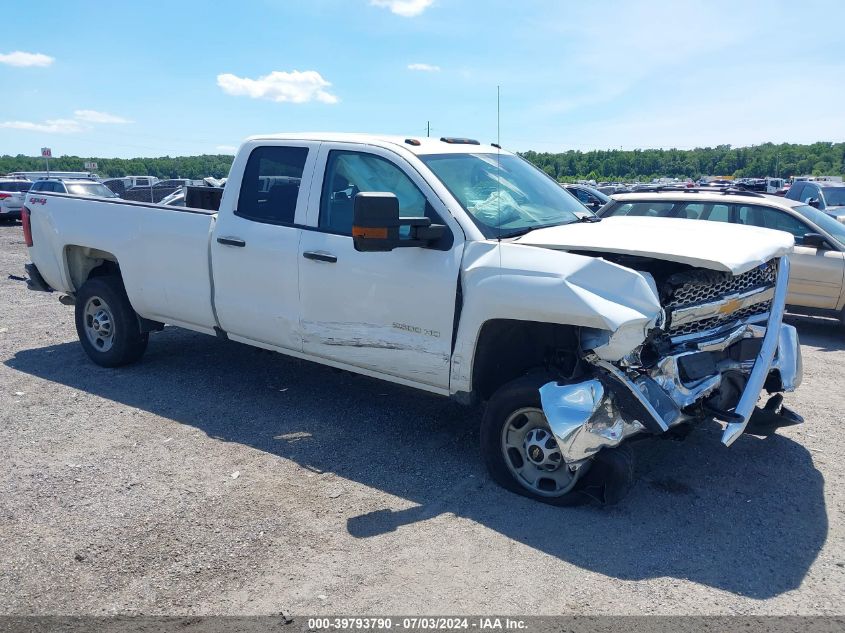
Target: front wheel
x,y
519,449
107,326
522,454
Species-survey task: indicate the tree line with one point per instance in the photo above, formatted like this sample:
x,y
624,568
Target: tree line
x,y
768,159
757,161
194,167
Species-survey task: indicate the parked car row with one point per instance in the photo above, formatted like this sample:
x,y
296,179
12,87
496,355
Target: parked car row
x,y
14,187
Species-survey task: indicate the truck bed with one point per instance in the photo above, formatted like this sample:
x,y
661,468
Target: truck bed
x,y
162,251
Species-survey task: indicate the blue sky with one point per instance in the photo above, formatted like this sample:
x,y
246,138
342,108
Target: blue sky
x,y
185,77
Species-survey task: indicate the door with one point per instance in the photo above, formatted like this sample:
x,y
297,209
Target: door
x,y
255,247
816,275
390,313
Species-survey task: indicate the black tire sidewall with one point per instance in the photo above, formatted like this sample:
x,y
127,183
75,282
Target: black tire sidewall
x,y
129,343
518,394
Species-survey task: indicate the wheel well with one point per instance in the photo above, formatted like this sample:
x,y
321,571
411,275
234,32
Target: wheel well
x,y
84,262
508,349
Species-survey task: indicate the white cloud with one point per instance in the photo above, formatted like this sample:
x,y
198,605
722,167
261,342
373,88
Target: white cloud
x,y
292,87
50,126
405,8
429,68
227,149
92,116
19,58
81,121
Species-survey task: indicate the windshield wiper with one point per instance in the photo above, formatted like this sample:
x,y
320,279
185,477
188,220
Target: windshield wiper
x,y
518,232
528,229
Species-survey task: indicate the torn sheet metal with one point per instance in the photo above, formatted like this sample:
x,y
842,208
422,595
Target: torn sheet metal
x,y
584,418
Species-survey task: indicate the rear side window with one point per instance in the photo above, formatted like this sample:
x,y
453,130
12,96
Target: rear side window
x,y
772,219
15,186
271,182
714,212
808,192
795,191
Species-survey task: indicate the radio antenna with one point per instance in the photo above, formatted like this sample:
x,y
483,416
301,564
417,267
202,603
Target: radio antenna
x,y
498,176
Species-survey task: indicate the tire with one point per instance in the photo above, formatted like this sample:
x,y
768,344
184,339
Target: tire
x,y
607,478
522,397
106,324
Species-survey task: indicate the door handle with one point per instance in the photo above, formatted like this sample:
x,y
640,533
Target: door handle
x,y
231,241
320,257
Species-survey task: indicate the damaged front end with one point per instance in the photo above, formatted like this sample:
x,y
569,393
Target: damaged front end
x,y
722,342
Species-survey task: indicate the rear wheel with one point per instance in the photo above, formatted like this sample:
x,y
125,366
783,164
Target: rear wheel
x,y
107,326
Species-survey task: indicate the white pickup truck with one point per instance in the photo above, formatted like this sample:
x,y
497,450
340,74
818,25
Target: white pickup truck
x,y
456,268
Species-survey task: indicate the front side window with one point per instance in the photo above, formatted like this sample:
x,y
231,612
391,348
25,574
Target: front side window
x,y
504,194
270,187
648,209
769,218
583,196
349,173
825,222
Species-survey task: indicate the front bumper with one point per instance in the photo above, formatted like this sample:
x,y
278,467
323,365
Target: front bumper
x,y
601,412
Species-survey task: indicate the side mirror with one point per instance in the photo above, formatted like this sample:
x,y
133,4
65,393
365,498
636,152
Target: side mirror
x,y
814,202
813,240
376,222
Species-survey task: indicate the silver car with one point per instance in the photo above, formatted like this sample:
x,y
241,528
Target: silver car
x,y
12,193
824,195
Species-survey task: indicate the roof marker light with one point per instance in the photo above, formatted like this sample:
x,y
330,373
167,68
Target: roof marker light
x,y
452,140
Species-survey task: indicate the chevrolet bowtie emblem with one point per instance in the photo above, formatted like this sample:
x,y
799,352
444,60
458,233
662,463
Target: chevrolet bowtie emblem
x,y
731,305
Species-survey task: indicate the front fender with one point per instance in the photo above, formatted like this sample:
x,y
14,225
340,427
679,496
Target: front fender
x,y
502,280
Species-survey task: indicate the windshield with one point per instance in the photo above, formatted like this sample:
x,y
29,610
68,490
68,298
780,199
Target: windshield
x,y
834,196
504,194
834,228
90,189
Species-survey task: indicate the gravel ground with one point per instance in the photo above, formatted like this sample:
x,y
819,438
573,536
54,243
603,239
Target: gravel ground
x,y
215,478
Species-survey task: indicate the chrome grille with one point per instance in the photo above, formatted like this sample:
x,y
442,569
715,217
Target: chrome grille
x,y
691,294
711,324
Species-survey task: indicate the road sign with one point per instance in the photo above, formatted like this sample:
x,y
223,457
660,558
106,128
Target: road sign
x,y
90,166
46,152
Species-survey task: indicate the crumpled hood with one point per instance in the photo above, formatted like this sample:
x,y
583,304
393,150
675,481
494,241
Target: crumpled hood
x,y
732,248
